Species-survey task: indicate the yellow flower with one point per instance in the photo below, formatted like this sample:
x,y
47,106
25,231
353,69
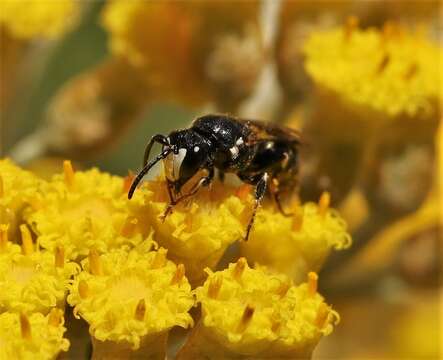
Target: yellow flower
x,y
18,188
253,313
33,280
84,210
390,73
131,298
197,233
32,338
27,19
298,244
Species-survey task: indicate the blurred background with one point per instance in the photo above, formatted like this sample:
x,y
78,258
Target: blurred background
x,y
92,81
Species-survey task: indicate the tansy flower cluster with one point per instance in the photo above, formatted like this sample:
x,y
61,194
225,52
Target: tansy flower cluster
x,y
38,19
131,298
84,210
124,267
392,72
36,336
253,313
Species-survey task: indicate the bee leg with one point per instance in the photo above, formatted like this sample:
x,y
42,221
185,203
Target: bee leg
x,y
260,190
221,176
276,197
203,182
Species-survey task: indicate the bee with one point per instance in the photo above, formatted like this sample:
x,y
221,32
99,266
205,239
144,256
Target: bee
x,y
260,154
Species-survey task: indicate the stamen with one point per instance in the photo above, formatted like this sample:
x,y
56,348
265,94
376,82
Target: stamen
x,y
248,313
27,245
322,316
83,289
159,260
129,226
351,25
127,181
239,268
297,220
55,317
59,257
95,265
312,283
2,187
214,286
383,63
179,274
3,236
25,327
323,203
140,310
412,70
283,288
69,173
243,192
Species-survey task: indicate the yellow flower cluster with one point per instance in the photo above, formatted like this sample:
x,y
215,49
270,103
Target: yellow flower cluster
x,y
32,338
27,19
391,72
86,210
18,188
298,244
197,233
131,297
253,313
33,280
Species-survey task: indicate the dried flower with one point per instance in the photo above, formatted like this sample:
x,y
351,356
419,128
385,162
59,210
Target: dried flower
x,y
32,337
133,301
257,314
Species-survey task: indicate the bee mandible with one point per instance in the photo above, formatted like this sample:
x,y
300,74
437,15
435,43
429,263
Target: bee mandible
x,y
260,154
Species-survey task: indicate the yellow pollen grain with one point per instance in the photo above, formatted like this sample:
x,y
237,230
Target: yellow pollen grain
x,y
3,236
27,245
312,283
159,260
179,274
83,289
140,310
214,286
322,316
95,265
246,318
239,268
25,327
55,317
59,257
324,203
69,173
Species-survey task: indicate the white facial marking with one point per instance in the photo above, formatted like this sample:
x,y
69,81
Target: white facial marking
x,y
269,145
177,162
234,152
239,142
196,149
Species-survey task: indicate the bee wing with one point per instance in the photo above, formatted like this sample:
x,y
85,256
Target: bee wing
x,y
270,131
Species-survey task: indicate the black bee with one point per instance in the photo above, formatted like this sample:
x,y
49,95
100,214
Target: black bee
x,y
260,154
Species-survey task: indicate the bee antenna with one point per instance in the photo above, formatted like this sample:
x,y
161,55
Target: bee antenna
x,y
146,169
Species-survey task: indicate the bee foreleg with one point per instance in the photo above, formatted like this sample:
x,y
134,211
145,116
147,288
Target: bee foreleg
x,y
260,190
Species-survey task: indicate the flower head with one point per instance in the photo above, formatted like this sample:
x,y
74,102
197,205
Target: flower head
x,y
32,337
257,313
391,72
125,296
84,210
197,233
298,244
34,18
33,280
